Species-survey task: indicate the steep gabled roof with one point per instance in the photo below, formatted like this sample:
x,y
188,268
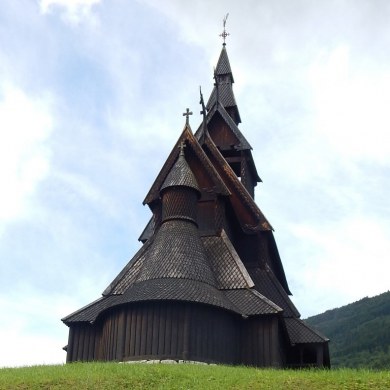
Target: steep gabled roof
x,y
248,213
243,144
204,163
268,285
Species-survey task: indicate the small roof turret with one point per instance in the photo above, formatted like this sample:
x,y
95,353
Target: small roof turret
x,y
181,174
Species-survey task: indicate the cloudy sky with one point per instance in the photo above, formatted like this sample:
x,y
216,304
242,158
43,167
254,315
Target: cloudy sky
x,y
91,100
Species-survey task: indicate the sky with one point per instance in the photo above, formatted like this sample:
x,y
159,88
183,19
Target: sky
x,y
91,100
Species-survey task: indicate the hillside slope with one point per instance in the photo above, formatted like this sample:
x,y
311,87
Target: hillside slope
x,y
359,332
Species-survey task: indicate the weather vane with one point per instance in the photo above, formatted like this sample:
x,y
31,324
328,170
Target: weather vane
x,y
224,34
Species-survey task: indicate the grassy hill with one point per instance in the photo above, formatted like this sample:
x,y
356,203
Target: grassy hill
x,y
359,333
185,376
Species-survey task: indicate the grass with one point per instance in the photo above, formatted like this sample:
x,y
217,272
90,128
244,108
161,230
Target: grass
x,y
185,376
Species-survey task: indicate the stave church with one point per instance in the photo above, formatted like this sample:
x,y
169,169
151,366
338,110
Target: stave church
x,y
208,284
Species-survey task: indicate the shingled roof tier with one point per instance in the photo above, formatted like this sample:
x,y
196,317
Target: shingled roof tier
x,y
268,285
301,333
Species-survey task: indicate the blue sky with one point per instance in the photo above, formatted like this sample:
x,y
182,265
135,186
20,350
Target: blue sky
x,y
91,101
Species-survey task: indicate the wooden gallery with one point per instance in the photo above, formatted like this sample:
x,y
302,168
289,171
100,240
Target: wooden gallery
x,y
208,284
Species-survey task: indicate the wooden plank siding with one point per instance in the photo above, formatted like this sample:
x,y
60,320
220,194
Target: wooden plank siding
x,y
83,343
179,331
166,330
260,342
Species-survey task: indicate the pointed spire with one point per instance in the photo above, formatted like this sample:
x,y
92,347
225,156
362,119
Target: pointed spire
x,y
181,174
223,88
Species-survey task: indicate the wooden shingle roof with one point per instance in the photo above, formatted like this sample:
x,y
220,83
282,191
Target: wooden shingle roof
x,y
212,176
301,333
268,285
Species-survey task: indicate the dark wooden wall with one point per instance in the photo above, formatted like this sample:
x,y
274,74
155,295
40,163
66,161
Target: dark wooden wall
x,y
164,330
260,344
83,343
214,338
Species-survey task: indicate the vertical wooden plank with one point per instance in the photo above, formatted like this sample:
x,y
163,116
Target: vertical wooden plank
x,y
76,355
127,325
267,348
186,333
91,343
133,331
320,355
261,343
144,329
161,333
138,330
174,329
180,330
275,358
149,338
115,335
106,340
69,352
110,338
85,343
168,330
156,327
121,335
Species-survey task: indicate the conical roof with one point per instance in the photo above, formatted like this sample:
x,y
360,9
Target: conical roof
x,y
223,65
177,252
180,175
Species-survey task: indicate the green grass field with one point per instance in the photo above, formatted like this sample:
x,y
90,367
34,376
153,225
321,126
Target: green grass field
x,y
185,376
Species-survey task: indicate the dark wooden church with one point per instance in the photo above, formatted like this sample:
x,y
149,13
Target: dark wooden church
x,y
208,284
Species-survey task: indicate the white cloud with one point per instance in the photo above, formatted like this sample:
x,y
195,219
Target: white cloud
x,y
343,262
25,124
23,331
74,10
351,105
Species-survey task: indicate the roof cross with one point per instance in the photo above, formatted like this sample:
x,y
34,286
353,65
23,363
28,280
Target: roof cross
x,y
224,34
187,115
181,147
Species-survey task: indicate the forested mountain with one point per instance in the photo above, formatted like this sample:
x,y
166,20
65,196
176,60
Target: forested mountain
x,y
359,333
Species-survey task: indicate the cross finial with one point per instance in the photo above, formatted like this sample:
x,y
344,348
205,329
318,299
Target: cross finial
x,y
224,33
181,147
187,115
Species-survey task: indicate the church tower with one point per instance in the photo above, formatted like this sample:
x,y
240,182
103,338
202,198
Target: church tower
x,y
208,283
